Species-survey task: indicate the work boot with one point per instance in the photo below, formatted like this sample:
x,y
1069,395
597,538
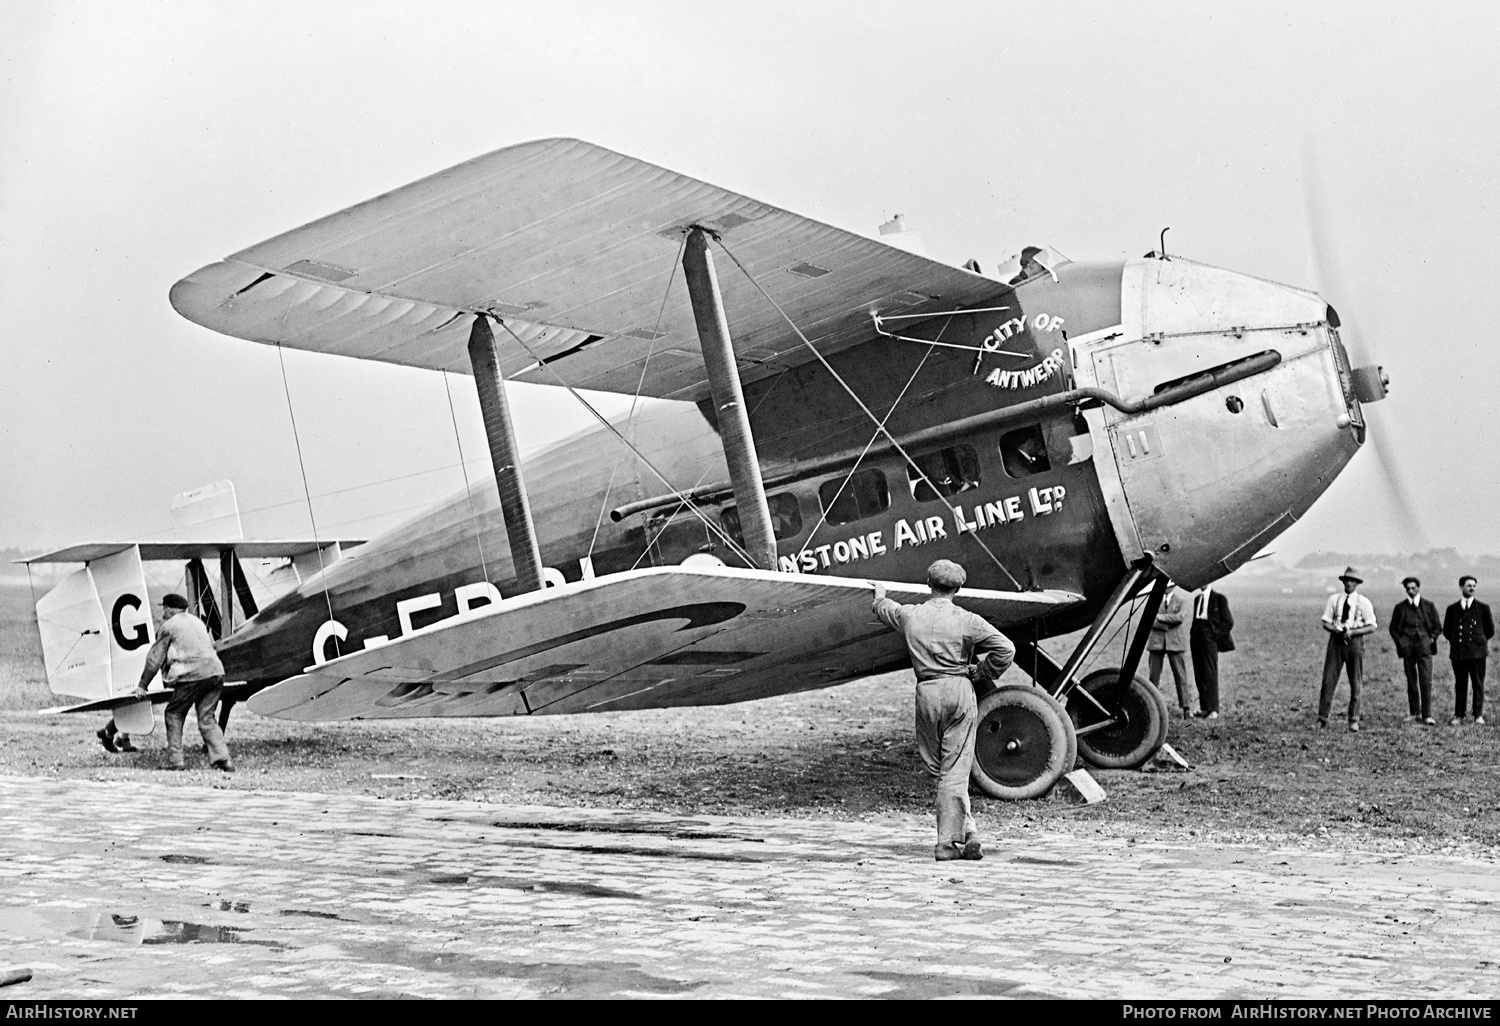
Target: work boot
x,y
971,850
122,742
104,739
947,851
223,766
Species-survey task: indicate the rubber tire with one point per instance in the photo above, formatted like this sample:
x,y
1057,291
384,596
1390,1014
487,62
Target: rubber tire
x,y
1132,745
1040,725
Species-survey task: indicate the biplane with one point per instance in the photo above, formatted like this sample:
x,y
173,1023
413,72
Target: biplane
x,y
839,409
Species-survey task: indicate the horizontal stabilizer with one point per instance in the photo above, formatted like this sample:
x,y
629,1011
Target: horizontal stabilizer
x,y
156,696
660,637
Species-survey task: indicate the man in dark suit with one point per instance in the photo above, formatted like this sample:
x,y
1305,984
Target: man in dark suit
x,y
1209,635
1415,628
1169,642
1468,626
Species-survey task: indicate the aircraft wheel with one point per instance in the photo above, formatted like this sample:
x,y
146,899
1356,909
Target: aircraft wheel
x,y
1143,728
1023,744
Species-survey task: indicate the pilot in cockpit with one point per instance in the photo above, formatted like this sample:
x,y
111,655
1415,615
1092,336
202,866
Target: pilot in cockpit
x,y
1030,268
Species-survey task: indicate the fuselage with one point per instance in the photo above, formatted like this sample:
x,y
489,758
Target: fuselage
x,y
1063,500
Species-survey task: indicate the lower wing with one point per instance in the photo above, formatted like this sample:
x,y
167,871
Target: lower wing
x,y
668,636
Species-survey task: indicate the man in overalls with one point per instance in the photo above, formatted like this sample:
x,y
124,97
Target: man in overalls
x,y
184,654
941,639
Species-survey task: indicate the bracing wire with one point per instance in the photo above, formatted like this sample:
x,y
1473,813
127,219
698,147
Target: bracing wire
x,y
729,542
666,520
1103,646
639,385
880,425
468,492
823,516
302,467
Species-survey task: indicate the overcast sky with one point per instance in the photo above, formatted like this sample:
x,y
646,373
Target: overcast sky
x,y
140,141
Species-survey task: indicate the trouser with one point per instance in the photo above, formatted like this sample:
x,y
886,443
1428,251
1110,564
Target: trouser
x,y
1418,665
1343,654
1466,672
1205,669
947,716
1179,674
204,694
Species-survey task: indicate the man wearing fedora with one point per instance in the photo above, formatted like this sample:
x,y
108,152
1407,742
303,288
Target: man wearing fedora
x,y
1415,628
1347,618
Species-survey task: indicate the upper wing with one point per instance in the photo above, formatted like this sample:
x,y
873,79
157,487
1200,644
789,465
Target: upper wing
x,y
288,548
666,636
573,245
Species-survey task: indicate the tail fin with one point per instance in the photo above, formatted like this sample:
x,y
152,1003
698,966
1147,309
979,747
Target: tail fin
x,y
96,627
208,513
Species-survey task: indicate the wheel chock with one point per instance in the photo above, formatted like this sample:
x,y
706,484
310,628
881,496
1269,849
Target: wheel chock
x,y
1168,758
1082,789
9,976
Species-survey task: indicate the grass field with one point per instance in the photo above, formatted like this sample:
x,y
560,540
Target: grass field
x,y
847,752
23,681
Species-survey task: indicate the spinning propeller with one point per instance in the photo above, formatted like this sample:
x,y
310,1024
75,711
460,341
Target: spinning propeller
x,y
1370,379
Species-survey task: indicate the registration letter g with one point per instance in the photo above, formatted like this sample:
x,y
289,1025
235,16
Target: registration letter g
x,y
138,635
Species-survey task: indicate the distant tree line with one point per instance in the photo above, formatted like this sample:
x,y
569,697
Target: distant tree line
x,y
1436,565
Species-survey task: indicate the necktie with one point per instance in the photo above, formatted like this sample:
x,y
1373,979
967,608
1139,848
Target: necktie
x,y
1202,613
1347,604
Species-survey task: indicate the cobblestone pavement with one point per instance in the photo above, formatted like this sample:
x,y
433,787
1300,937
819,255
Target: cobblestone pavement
x,y
112,890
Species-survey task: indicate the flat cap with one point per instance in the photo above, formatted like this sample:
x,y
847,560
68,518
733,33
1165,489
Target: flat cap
x,y
947,575
172,600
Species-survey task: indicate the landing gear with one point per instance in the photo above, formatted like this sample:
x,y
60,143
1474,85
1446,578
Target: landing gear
x,y
1023,744
1127,737
1115,719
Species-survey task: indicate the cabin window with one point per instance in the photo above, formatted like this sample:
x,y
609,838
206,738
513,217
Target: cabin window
x,y
1024,452
1068,440
948,471
863,495
786,518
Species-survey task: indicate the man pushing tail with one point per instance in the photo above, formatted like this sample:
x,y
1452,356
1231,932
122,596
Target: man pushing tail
x,y
941,639
184,653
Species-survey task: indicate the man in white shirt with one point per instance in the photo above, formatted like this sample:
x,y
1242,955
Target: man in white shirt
x,y
1347,618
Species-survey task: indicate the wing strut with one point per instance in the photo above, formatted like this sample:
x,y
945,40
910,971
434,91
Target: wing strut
x,y
515,507
729,399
